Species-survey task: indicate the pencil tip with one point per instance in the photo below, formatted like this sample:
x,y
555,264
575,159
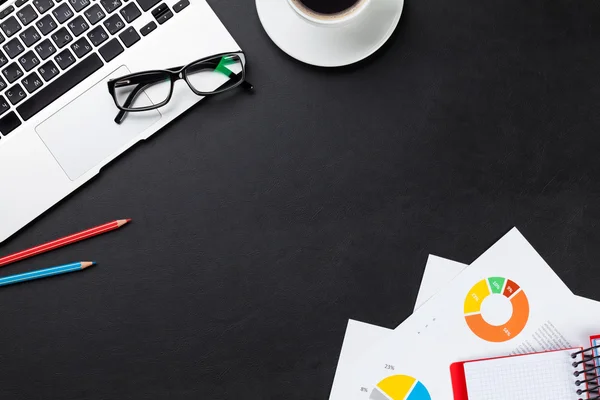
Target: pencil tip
x,y
122,222
85,264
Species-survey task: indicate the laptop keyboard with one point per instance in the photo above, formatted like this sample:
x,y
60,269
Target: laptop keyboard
x,y
49,46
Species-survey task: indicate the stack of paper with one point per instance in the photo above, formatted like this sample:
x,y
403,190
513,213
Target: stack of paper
x,y
509,301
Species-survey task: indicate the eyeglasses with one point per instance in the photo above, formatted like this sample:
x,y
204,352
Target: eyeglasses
x,y
148,90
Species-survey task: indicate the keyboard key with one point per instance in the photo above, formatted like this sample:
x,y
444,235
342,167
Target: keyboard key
x,y
149,27
129,36
181,5
9,123
14,47
79,5
29,60
162,7
4,106
30,36
2,84
27,14
48,71
19,3
46,24
114,24
65,59
60,86
130,12
164,17
43,5
147,4
62,13
94,14
78,26
32,82
15,94
2,39
3,59
45,49
10,26
97,35
110,50
110,5
61,37
81,47
12,72
4,13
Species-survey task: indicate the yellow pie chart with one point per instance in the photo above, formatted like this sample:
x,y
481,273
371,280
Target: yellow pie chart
x,y
400,387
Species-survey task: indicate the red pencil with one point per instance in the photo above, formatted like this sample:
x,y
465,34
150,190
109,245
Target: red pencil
x,y
67,240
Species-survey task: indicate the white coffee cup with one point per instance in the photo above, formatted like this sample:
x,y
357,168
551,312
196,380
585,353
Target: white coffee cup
x,y
340,17
329,33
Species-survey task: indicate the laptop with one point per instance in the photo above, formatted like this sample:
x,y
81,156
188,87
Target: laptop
x,y
57,126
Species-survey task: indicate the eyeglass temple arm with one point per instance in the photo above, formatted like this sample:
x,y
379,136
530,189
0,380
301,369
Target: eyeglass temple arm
x,y
144,83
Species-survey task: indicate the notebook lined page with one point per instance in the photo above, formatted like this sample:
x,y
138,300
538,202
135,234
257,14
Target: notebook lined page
x,y
543,376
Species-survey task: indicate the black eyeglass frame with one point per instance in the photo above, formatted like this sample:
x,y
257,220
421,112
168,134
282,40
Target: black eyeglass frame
x,y
175,74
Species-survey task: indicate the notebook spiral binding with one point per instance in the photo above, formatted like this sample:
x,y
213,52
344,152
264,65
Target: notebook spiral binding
x,y
589,371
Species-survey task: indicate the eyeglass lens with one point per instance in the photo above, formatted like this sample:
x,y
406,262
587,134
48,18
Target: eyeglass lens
x,y
143,90
215,75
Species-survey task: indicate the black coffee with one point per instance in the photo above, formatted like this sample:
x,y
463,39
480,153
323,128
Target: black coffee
x,y
328,6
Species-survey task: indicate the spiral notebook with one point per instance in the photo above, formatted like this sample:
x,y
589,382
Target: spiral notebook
x,y
570,374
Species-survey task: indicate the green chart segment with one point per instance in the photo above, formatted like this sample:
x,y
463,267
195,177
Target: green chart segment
x,y
496,284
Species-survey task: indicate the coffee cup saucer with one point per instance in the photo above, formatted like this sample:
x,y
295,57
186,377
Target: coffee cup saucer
x,y
329,45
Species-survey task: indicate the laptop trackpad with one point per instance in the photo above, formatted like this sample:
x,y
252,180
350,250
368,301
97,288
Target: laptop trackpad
x,y
83,133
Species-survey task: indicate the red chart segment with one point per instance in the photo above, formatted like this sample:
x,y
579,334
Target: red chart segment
x,y
511,288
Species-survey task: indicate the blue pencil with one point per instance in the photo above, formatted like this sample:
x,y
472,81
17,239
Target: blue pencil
x,y
44,273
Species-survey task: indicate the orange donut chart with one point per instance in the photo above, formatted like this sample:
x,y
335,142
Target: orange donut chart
x,y
506,288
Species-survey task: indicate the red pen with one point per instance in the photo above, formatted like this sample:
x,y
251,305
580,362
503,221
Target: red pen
x,y
65,241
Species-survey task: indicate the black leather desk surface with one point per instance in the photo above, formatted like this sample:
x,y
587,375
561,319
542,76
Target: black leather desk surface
x,y
262,223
